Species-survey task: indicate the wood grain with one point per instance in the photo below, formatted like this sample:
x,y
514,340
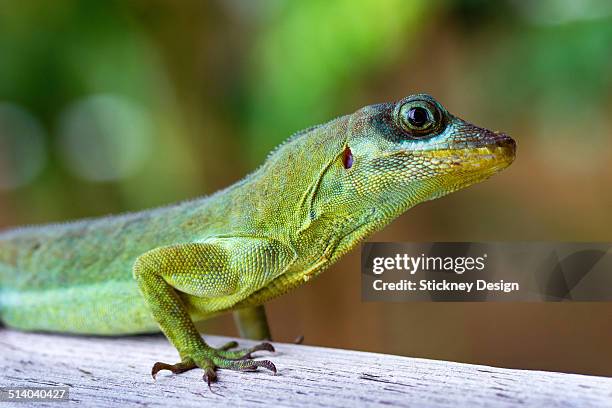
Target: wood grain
x,y
103,372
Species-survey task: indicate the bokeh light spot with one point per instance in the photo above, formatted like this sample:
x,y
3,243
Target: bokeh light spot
x,y
105,137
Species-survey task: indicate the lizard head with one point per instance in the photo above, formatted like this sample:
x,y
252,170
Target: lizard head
x,y
399,154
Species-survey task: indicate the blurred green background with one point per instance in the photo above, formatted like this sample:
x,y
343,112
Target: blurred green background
x,y
111,106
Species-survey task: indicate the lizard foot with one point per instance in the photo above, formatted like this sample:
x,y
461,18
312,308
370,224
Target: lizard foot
x,y
209,359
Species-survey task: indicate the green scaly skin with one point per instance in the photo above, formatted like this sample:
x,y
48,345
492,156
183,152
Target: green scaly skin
x,y
315,198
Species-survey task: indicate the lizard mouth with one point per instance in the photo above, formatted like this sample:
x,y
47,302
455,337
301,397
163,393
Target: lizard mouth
x,y
501,149
486,153
498,147
501,140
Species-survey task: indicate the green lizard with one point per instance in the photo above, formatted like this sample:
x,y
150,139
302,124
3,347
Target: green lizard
x,y
315,197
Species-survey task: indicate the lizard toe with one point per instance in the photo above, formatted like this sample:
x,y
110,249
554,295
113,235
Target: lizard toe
x,y
244,364
175,368
246,353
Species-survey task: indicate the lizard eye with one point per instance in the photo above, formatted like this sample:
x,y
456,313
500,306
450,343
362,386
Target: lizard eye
x,y
420,118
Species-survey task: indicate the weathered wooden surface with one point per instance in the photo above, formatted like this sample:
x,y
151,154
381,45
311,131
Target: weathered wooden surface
x,y
115,372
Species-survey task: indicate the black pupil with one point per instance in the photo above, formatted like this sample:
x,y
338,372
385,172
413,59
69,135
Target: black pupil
x,y
418,117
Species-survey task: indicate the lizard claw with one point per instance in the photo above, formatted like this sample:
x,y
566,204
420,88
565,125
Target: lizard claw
x,y
158,366
209,376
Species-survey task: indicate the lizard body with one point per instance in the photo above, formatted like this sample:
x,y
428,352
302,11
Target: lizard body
x,y
315,198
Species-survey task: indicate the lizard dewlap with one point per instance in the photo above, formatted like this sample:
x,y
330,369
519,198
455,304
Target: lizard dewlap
x,y
315,198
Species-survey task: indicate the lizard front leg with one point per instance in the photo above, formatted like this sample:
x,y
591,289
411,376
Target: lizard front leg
x,y
219,273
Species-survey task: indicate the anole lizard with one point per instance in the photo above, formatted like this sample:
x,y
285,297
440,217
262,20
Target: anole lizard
x,y
316,197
